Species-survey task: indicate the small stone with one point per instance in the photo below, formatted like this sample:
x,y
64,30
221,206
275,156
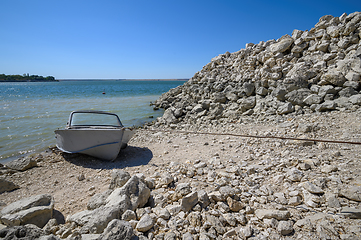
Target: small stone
x,y
187,236
22,164
234,205
328,168
351,212
81,177
333,202
246,231
272,213
312,188
352,193
164,213
295,201
270,222
129,215
189,201
295,175
183,189
304,166
285,227
145,223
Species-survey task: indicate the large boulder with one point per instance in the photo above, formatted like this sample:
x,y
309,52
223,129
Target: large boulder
x,y
95,221
132,195
35,210
135,191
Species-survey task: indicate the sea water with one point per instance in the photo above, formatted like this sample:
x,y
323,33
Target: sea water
x,y
31,111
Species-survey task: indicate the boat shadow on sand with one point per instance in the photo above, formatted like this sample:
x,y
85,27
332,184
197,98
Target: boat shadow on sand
x,y
128,157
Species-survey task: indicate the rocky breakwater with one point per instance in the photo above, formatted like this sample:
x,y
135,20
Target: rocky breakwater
x,y
312,70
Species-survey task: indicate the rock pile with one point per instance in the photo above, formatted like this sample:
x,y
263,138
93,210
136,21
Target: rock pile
x,y
266,198
315,70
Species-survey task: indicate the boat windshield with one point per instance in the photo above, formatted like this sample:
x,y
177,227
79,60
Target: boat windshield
x,y
94,119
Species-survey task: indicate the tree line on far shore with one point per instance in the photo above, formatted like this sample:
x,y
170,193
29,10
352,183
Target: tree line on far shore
x,y
25,78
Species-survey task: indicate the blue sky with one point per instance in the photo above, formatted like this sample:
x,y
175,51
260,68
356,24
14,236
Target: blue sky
x,y
107,39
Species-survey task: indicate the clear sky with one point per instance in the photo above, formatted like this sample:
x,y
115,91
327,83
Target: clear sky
x,y
133,39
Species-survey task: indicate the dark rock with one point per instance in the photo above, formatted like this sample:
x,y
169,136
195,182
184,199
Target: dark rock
x,y
7,186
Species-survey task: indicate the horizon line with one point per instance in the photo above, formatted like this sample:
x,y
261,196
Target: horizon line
x,y
123,79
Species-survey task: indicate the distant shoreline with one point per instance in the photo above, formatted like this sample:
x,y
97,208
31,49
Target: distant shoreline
x,y
177,79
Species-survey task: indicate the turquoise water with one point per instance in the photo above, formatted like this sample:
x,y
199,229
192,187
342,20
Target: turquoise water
x,y
31,111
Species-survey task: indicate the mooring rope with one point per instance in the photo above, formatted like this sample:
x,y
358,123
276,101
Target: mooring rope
x,y
253,136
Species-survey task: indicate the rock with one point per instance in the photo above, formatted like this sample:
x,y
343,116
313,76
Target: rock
x,y
7,186
246,231
165,179
132,195
295,175
310,199
351,212
296,97
312,99
145,223
227,191
49,237
219,97
216,223
194,219
35,210
119,178
352,193
282,46
355,99
129,215
234,205
328,168
98,200
333,202
22,164
285,108
168,116
295,201
312,188
183,189
334,77
285,227
29,231
117,229
203,198
272,213
189,201
95,221
280,93
187,236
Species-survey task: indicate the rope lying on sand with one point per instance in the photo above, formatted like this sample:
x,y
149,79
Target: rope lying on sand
x,y
254,136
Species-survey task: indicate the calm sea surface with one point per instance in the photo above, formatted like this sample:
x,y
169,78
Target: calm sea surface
x,y
30,111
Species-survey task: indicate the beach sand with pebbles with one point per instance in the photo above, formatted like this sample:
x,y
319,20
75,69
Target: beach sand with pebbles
x,y
208,162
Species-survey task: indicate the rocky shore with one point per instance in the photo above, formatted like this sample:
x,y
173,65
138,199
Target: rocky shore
x,y
169,184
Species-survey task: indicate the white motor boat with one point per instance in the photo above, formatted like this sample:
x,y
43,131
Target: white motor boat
x,y
95,133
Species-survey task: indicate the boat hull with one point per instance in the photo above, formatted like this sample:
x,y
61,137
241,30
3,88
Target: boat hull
x,y
100,143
